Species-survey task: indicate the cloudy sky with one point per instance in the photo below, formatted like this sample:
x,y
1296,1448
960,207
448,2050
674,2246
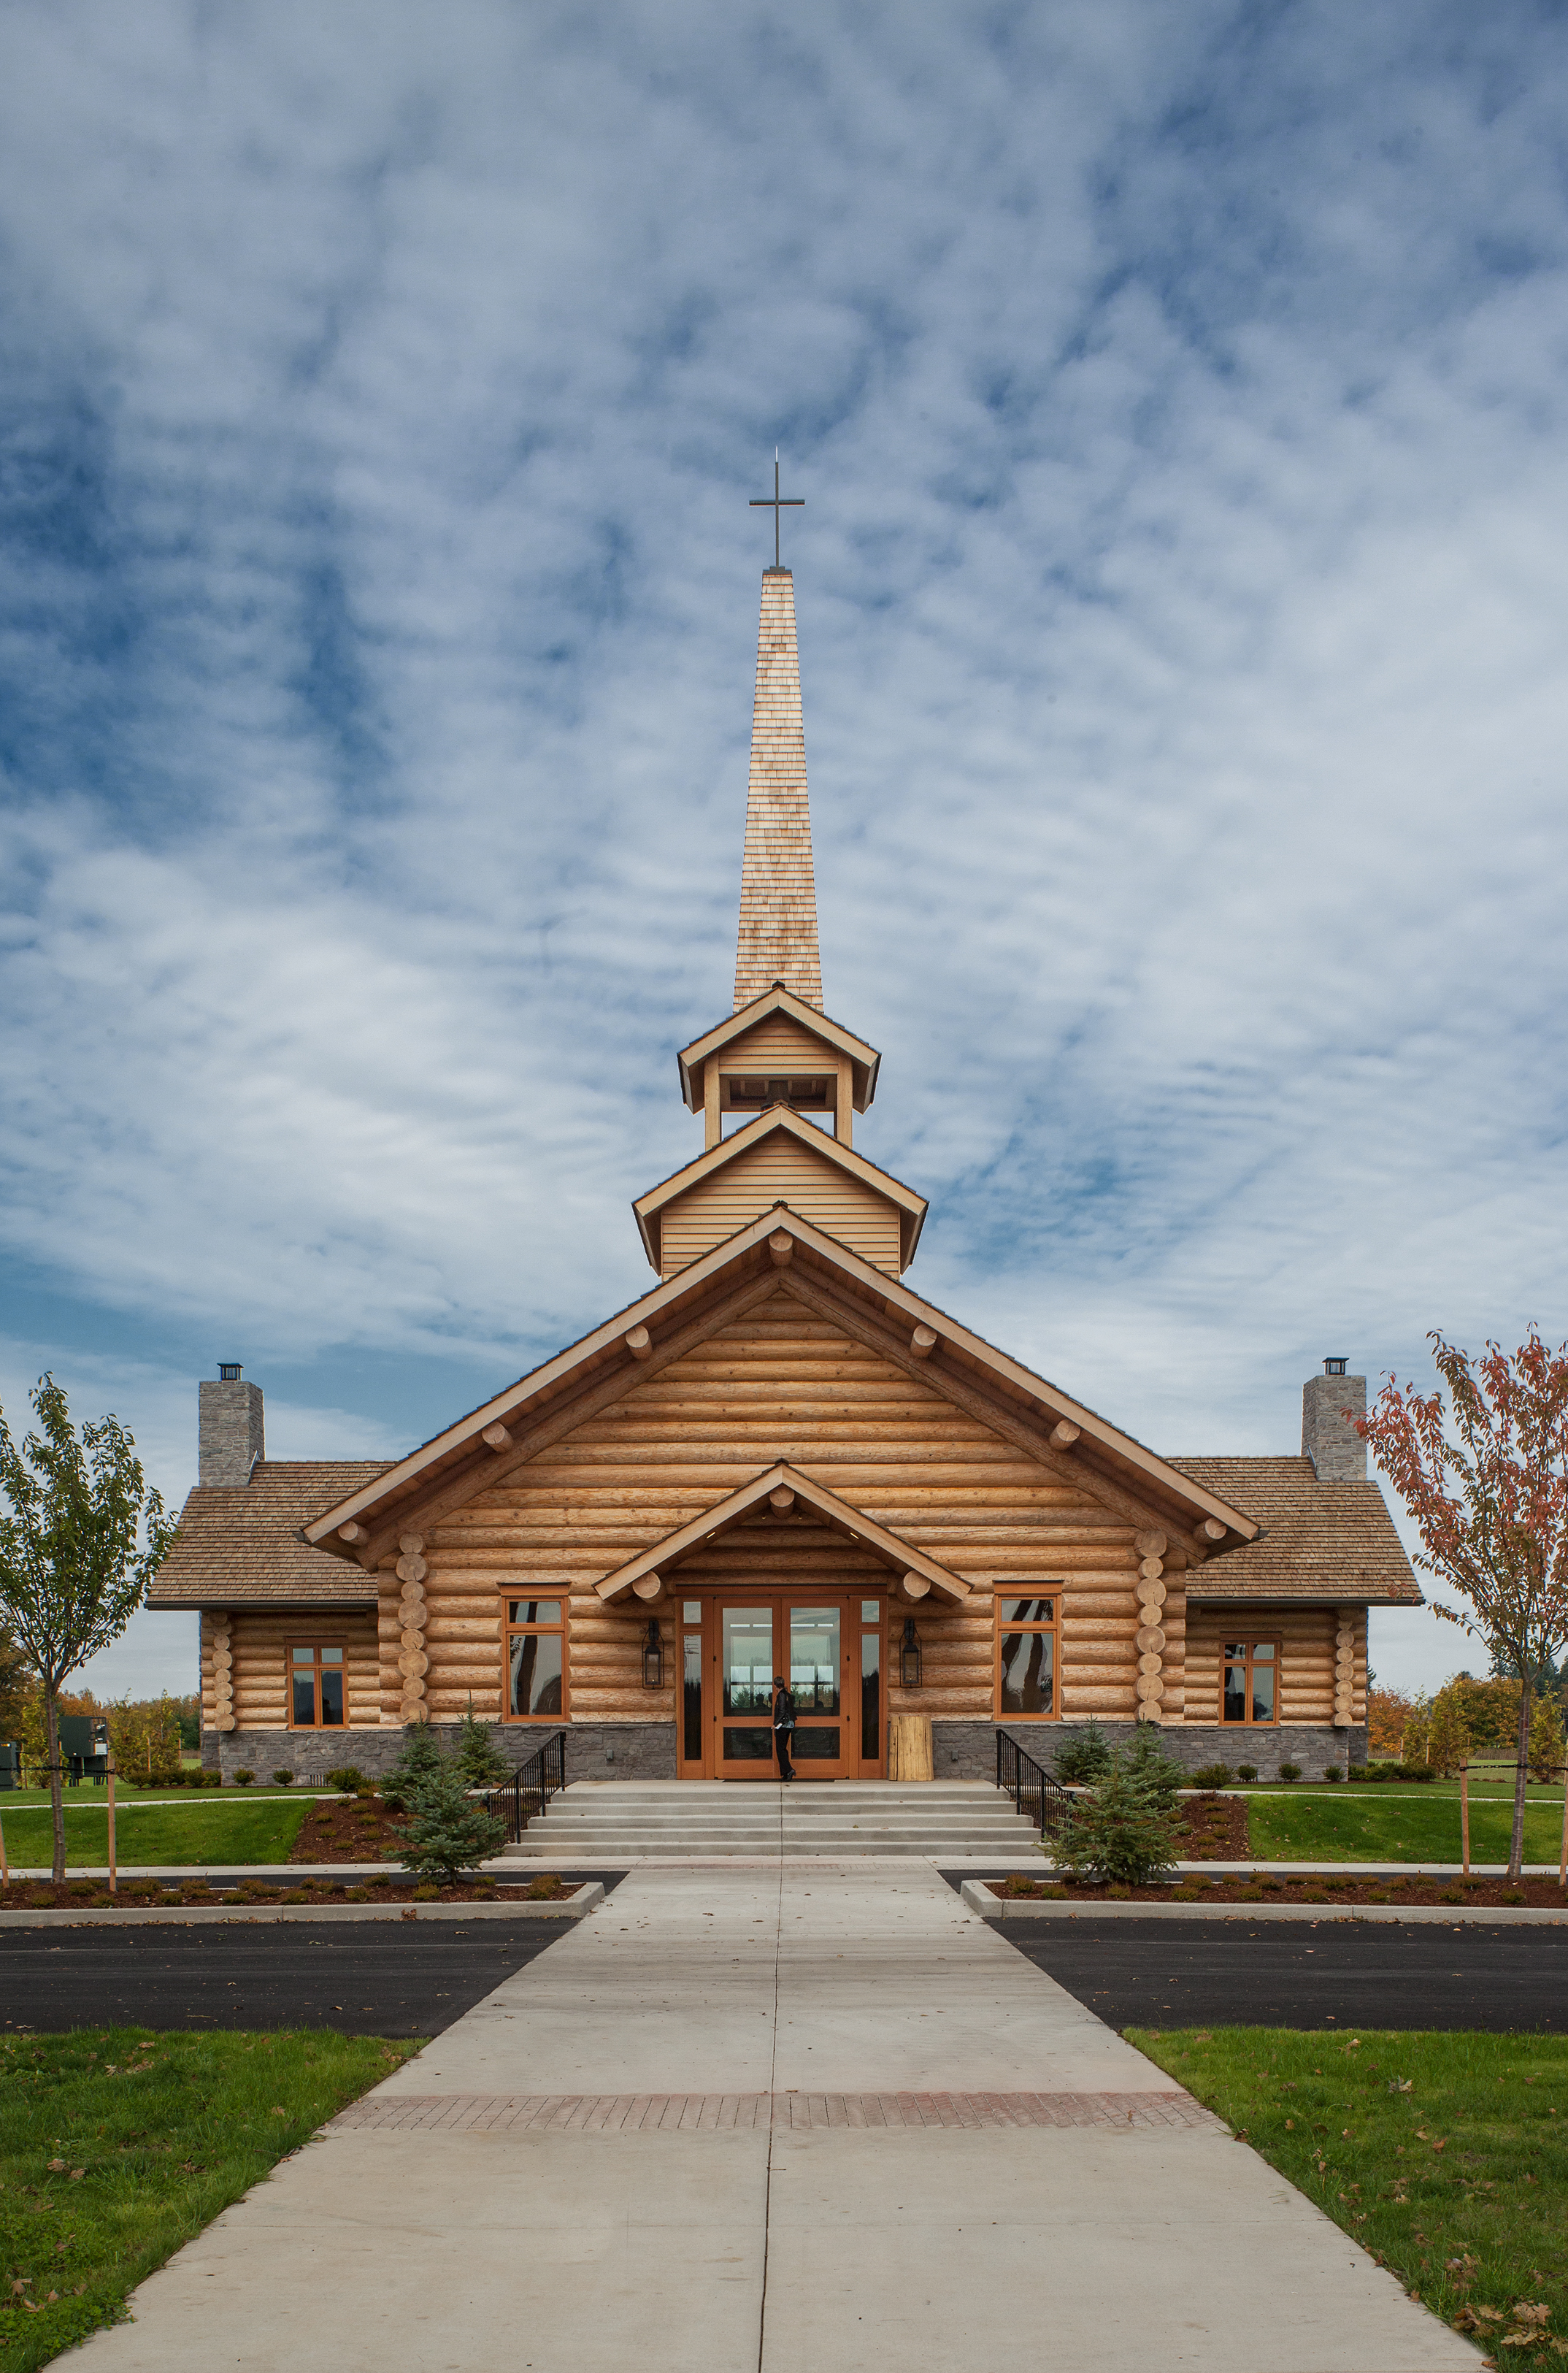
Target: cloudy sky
x,y
1178,396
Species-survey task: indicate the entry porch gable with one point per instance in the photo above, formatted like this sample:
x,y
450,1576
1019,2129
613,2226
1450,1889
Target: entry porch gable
x,y
784,1485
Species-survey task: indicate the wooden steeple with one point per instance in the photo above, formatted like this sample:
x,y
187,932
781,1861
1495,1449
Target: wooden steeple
x,y
778,1055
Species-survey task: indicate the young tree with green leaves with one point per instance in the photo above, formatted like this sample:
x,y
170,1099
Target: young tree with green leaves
x,y
80,1539
16,1680
1485,1474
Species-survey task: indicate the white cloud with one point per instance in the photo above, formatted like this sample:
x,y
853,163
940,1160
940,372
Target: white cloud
x,y
1178,398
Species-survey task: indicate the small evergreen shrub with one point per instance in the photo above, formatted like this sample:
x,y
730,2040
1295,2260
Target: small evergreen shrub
x,y
1122,1832
448,1832
283,1779
1082,1756
427,1894
1149,1767
1247,1772
245,1779
419,1762
1333,1773
347,1778
1290,1772
547,1886
479,1759
1213,1775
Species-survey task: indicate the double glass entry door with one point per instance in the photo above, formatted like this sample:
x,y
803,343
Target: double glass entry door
x,y
730,1652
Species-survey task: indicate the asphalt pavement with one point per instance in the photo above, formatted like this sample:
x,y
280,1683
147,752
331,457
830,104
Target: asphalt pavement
x,y
1341,1973
369,1978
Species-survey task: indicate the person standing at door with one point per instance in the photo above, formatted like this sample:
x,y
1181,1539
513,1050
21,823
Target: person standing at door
x,y
784,1725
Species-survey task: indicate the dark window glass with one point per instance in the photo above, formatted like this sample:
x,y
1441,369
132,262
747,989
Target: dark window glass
x,y
536,1672
535,1610
816,1745
691,1681
305,1696
749,1746
1251,1681
331,1696
871,1695
1027,1611
1027,1668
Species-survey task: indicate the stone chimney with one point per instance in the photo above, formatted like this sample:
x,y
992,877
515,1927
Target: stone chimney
x,y
231,1429
1327,1438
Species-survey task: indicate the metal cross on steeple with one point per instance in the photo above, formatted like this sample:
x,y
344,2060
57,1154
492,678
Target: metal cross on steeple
x,y
775,502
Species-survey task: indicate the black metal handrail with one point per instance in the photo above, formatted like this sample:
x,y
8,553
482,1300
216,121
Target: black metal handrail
x,y
1034,1790
528,1791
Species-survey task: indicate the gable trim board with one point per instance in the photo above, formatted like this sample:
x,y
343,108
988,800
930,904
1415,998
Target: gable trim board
x,y
729,1179
692,1059
900,1555
393,1497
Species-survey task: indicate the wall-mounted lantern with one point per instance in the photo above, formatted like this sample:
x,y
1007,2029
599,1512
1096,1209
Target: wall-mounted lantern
x,y
653,1656
908,1655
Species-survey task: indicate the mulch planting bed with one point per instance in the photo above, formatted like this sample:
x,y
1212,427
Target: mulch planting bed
x,y
1536,1894
355,1829
144,1895
1212,1829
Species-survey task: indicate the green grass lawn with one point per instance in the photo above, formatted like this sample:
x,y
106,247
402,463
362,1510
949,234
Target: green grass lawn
x,y
128,1793
1407,1825
117,2145
209,1828
1458,2184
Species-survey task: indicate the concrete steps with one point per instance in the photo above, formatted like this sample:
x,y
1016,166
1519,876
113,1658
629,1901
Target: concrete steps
x,y
615,1820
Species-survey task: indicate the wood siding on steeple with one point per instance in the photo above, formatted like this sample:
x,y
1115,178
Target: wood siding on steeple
x,y
777,938
779,1170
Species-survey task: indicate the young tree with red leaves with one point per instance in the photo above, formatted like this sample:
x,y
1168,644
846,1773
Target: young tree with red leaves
x,y
1485,1478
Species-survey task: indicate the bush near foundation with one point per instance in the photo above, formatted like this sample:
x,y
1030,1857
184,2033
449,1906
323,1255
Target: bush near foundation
x,y
1122,1832
1082,1756
448,1832
1212,1775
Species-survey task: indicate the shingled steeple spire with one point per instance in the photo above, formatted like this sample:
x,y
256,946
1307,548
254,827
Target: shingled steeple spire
x,y
778,889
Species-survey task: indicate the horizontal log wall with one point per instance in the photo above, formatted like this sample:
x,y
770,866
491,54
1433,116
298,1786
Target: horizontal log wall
x,y
780,1382
1306,1636
259,1642
779,1170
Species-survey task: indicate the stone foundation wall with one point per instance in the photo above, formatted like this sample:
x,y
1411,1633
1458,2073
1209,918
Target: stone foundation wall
x,y
611,1750
646,1750
967,1750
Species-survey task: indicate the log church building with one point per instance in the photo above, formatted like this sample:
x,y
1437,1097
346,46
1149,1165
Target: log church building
x,y
781,1459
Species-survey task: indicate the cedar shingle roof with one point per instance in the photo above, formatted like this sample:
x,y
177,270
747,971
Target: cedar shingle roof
x,y
1319,1540
239,1546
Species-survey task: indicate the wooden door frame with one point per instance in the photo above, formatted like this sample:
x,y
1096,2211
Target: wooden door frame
x,y
710,1600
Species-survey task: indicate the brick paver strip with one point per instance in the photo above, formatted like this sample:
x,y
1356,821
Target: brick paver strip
x,y
726,2112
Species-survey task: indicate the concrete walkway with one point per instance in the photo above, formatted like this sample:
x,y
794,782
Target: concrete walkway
x,y
800,2122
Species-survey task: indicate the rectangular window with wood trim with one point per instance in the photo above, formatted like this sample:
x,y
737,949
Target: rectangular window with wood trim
x,y
535,1659
1250,1689
1028,1663
318,1692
